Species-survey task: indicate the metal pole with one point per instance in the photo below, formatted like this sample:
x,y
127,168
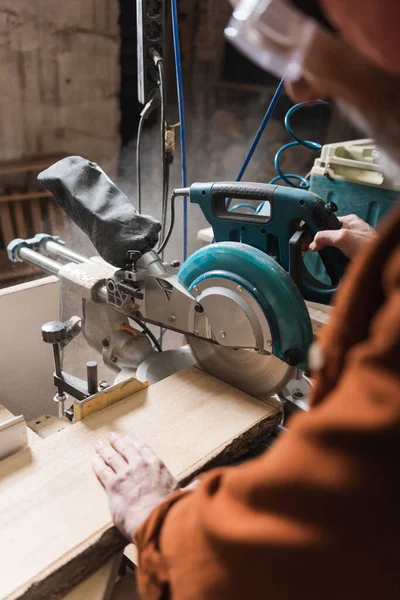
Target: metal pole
x,y
43,262
57,360
92,380
58,251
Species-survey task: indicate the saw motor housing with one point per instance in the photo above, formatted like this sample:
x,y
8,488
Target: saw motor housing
x,y
286,217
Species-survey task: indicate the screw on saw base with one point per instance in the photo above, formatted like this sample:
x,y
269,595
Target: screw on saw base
x,y
198,308
297,394
61,398
172,318
222,334
69,414
111,286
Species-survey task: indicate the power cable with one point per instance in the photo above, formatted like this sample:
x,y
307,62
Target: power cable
x,y
148,332
171,225
146,112
181,105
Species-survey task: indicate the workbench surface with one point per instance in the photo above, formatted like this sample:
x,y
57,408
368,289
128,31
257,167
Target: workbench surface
x,y
54,519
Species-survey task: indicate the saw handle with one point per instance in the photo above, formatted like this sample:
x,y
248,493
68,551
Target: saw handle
x,y
335,262
259,192
273,233
322,217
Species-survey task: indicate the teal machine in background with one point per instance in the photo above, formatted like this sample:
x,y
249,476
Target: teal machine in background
x,y
348,174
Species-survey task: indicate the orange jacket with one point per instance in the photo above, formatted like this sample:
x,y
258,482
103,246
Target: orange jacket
x,y
318,515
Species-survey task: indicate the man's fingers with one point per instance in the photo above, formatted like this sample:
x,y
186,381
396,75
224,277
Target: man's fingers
x,y
112,458
146,451
127,447
104,472
350,221
335,238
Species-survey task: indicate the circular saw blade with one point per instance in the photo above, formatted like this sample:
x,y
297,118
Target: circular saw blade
x,y
254,373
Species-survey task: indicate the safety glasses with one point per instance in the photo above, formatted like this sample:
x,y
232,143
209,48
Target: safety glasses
x,y
273,34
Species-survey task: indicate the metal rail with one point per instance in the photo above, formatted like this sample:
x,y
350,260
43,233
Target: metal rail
x,y
38,260
59,251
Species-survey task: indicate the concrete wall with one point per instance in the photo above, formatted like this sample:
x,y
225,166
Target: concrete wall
x,y
59,73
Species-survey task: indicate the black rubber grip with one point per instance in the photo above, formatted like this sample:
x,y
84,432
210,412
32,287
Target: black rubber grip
x,y
334,260
247,191
324,218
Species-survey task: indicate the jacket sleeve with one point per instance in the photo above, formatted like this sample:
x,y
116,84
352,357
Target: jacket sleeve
x,y
314,517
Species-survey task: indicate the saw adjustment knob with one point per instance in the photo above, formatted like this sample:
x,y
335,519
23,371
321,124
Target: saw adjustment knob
x,y
332,207
54,332
133,256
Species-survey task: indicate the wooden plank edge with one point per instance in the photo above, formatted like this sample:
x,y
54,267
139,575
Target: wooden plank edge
x,y
244,442
69,571
13,436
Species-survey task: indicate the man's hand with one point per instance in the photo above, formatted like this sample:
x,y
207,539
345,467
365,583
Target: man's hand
x,y
354,234
135,479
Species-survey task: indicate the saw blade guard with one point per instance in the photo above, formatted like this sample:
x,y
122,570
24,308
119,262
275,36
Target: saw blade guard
x,y
269,284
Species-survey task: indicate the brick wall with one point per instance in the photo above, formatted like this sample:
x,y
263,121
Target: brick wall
x,y
59,73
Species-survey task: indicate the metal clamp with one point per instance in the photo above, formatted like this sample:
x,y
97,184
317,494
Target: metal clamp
x,y
59,334
34,243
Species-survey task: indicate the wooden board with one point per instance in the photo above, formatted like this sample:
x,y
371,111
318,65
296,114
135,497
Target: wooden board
x,y
47,425
13,436
5,414
54,519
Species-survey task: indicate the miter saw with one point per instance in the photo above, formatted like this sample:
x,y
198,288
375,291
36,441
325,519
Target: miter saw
x,y
239,302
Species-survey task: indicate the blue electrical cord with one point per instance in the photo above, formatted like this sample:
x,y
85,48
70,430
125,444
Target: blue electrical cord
x,y
239,206
286,177
179,85
291,178
315,146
